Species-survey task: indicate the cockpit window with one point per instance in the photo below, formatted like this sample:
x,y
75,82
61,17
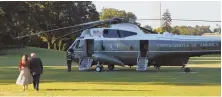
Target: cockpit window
x,y
86,33
126,33
79,44
110,33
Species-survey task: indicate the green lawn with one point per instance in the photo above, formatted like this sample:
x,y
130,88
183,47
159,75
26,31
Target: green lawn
x,y
56,81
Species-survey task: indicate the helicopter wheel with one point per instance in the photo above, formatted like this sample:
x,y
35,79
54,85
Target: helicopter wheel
x,y
111,67
99,67
186,70
182,68
157,66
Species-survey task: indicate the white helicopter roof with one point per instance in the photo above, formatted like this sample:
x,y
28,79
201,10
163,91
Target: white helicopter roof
x,y
141,35
167,34
170,36
127,27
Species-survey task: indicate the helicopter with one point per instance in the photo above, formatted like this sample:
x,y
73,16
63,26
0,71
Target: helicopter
x,y
125,43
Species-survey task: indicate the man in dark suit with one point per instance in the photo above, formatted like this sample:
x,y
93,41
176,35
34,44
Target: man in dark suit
x,y
36,70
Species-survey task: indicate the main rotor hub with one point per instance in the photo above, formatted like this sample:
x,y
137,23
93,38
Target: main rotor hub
x,y
116,20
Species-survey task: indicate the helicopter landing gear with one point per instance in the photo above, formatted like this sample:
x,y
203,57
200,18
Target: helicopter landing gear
x,y
185,69
99,67
130,66
182,68
111,67
157,66
154,64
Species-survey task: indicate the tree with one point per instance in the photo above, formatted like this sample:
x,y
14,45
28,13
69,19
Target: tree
x,y
22,18
148,27
183,30
15,20
217,30
130,17
166,19
108,13
52,15
203,29
159,30
176,30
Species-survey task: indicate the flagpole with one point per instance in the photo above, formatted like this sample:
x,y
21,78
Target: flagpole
x,y
160,14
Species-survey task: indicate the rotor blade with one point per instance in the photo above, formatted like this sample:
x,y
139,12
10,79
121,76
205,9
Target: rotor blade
x,y
19,37
88,23
57,29
148,30
73,32
96,23
182,20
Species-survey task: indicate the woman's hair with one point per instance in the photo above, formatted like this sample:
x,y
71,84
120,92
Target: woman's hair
x,y
25,60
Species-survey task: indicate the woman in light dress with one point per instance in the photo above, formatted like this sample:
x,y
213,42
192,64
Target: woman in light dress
x,y
25,77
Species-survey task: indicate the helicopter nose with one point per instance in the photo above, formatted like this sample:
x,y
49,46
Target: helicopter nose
x,y
70,50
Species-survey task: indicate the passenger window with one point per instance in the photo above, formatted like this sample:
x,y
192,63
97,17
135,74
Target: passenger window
x,y
126,33
109,33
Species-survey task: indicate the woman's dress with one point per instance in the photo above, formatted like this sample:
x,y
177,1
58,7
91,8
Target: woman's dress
x,y
25,76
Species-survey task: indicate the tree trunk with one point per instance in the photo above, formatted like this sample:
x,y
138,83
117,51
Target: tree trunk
x,y
64,46
49,45
55,45
60,44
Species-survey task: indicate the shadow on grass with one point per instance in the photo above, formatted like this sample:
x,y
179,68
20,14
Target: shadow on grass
x,y
159,83
124,76
204,62
93,90
4,84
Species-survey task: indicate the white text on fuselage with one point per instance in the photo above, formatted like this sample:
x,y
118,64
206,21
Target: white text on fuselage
x,y
189,45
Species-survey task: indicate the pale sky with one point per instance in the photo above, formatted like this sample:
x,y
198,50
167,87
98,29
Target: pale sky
x,y
193,10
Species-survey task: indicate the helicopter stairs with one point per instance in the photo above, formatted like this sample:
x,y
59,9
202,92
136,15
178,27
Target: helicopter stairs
x,y
141,63
86,63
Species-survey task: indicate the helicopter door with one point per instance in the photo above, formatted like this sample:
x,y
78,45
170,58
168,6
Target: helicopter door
x,y
89,47
143,48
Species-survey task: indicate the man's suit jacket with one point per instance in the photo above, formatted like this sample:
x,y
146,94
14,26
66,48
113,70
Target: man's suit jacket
x,y
36,66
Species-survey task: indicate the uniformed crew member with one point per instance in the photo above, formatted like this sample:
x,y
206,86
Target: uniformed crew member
x,y
69,59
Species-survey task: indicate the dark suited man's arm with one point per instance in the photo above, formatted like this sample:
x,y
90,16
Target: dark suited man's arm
x,y
30,65
41,65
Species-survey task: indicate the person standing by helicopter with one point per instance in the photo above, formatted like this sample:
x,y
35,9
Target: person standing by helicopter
x,y
69,59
